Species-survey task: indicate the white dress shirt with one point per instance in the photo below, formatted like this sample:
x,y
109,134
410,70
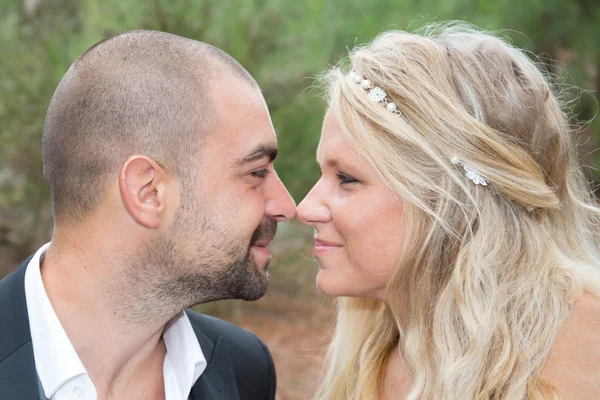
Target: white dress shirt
x,y
61,373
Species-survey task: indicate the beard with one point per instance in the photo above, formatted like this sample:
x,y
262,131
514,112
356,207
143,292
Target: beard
x,y
169,276
243,279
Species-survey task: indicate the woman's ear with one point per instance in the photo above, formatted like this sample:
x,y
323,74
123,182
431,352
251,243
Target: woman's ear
x,y
143,185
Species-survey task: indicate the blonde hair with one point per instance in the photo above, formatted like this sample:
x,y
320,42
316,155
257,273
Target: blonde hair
x,y
487,274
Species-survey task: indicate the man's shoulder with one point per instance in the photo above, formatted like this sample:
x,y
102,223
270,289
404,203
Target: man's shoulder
x,y
214,327
250,358
236,338
13,312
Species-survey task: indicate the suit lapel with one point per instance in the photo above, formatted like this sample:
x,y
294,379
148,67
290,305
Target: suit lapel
x,y
218,379
18,376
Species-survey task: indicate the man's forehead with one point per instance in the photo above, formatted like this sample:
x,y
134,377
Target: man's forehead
x,y
231,94
254,139
243,124
242,107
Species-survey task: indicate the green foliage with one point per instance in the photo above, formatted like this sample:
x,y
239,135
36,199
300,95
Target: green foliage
x,y
283,44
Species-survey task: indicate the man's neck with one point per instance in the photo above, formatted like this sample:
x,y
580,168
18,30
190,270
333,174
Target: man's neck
x,y
123,358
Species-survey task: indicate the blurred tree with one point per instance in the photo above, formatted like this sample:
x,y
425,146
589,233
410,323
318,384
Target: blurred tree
x,y
283,44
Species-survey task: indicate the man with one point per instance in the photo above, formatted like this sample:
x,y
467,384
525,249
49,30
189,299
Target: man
x,y
158,151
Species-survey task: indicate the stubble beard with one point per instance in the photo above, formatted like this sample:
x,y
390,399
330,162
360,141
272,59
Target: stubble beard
x,y
166,278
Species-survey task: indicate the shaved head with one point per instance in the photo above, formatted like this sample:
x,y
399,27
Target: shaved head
x,y
141,92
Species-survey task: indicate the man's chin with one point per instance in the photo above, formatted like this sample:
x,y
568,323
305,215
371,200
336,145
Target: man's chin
x,y
254,280
255,296
256,289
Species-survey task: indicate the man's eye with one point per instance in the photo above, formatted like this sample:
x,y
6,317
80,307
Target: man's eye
x,y
262,174
346,179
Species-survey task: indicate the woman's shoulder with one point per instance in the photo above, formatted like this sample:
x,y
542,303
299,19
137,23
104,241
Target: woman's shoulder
x,y
573,365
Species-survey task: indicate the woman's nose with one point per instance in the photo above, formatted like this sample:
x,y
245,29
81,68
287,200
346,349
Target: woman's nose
x,y
313,208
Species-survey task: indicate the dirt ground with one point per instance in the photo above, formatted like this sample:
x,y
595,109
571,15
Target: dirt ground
x,y
297,335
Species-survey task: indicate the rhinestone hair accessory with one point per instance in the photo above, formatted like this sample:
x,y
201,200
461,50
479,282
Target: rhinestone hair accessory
x,y
471,172
378,95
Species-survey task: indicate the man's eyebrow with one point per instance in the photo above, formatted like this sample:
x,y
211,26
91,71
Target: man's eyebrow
x,y
261,151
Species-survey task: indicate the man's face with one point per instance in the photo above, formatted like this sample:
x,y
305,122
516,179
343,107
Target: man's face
x,y
216,247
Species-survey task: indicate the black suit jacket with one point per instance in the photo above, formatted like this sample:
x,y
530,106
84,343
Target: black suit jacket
x,y
239,365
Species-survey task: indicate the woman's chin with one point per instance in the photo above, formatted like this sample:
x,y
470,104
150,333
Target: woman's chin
x,y
332,285
328,286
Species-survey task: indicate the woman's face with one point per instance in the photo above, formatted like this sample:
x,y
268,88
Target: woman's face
x,y
357,221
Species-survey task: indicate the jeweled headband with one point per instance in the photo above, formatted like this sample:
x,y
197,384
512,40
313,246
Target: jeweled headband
x,y
378,95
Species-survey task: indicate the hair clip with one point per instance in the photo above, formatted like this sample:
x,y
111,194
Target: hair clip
x,y
471,172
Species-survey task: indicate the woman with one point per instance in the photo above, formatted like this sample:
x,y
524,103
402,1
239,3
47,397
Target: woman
x,y
453,221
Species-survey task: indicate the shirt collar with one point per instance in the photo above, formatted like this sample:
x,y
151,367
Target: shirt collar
x,y
57,361
184,354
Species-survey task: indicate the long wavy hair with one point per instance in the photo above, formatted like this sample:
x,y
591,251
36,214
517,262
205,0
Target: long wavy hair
x,y
487,274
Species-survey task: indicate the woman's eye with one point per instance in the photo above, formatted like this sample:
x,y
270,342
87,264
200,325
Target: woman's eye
x,y
262,174
346,179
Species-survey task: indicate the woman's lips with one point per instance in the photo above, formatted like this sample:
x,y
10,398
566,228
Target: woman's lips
x,y
322,246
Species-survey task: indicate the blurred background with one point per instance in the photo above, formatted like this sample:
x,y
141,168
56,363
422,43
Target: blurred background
x,y
283,44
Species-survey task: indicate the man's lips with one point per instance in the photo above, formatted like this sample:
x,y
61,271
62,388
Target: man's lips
x,y
262,243
261,246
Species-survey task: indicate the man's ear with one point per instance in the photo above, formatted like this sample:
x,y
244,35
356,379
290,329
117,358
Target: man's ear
x,y
143,185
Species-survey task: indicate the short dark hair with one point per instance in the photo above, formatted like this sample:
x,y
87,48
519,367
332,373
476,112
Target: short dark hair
x,y
140,92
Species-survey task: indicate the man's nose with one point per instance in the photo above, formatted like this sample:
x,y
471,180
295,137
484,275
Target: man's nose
x,y
280,205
